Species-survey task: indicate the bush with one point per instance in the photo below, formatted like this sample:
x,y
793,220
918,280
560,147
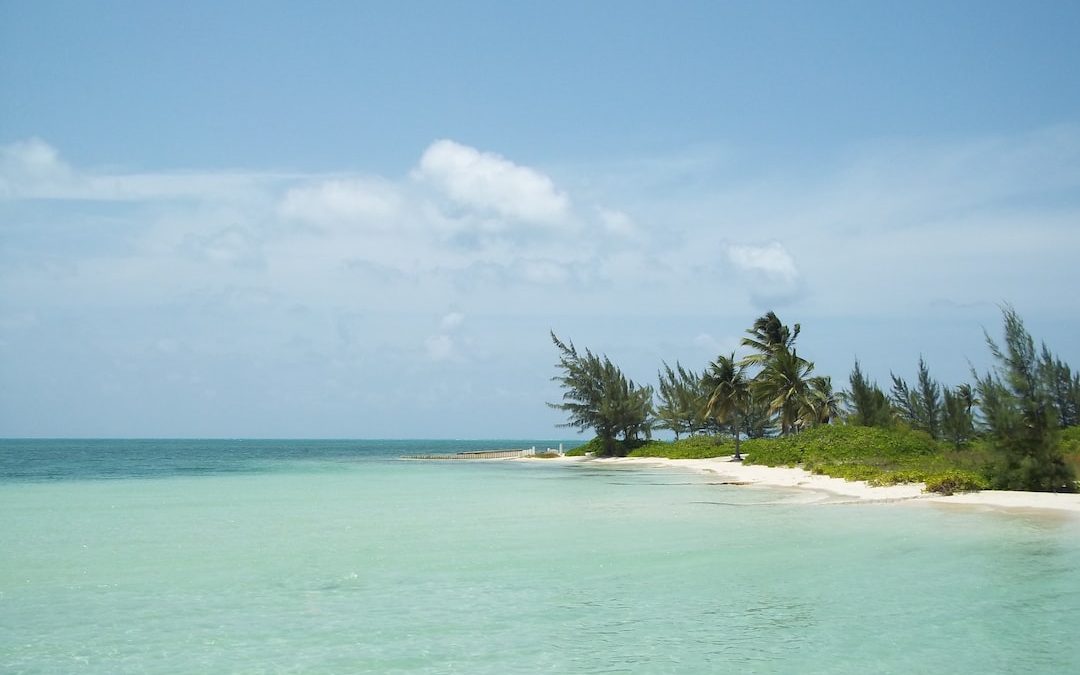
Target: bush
x,y
873,475
1070,448
692,447
950,482
772,452
618,448
595,446
899,477
841,444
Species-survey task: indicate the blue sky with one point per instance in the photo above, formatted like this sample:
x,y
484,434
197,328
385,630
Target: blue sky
x,y
362,219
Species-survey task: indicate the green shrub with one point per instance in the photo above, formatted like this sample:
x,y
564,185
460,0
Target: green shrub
x,y
899,477
692,447
595,446
842,444
772,452
617,449
1070,448
848,471
956,480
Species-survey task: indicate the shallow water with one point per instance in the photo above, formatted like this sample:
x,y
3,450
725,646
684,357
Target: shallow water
x,y
337,557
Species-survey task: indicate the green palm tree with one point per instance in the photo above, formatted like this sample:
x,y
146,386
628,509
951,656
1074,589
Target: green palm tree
x,y
767,336
730,396
784,381
821,404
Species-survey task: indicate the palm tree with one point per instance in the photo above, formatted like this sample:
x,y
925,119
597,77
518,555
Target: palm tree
x,y
730,396
821,404
784,382
767,336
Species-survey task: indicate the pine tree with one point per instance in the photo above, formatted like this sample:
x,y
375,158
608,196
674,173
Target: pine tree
x,y
921,407
867,404
682,398
599,396
1019,414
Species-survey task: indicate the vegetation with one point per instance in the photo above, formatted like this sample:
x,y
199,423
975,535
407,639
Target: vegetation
x,y
599,397
920,408
695,447
950,482
1017,427
1020,415
729,399
867,404
682,405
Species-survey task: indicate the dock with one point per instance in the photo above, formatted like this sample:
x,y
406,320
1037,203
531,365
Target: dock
x,y
486,454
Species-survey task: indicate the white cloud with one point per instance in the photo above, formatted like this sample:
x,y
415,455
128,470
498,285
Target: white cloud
x,y
342,200
771,261
217,259
33,169
769,271
384,242
619,224
489,182
32,156
26,166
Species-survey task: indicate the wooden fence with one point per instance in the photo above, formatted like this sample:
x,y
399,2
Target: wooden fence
x,y
479,454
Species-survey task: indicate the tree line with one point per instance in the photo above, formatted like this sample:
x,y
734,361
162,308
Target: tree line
x,y
1016,409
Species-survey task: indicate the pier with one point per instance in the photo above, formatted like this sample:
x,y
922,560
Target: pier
x,y
487,454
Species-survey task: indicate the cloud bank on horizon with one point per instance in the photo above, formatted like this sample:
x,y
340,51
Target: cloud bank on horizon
x,y
366,222
381,277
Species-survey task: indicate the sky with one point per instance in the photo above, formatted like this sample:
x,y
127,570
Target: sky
x,y
364,219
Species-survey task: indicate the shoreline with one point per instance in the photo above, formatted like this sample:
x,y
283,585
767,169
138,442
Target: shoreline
x,y
800,479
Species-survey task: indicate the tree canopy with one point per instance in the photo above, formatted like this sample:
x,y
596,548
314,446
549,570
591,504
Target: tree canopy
x,y
598,396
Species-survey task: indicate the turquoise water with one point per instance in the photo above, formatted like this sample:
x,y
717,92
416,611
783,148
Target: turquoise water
x,y
338,557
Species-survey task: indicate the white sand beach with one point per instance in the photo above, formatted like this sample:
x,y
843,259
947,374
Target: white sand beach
x,y
785,477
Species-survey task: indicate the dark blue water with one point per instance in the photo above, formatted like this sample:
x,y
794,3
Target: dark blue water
x,y
36,460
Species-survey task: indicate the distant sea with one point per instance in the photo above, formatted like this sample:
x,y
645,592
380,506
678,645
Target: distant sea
x,y
338,557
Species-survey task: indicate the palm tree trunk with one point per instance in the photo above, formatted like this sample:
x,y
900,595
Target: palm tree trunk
x,y
735,428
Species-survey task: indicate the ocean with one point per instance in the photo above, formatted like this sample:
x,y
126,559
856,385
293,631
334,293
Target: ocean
x,y
339,557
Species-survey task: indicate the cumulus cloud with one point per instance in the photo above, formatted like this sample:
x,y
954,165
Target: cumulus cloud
x,y
771,261
769,270
342,200
28,165
489,182
32,156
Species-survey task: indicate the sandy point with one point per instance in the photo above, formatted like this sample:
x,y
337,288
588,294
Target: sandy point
x,y
793,477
